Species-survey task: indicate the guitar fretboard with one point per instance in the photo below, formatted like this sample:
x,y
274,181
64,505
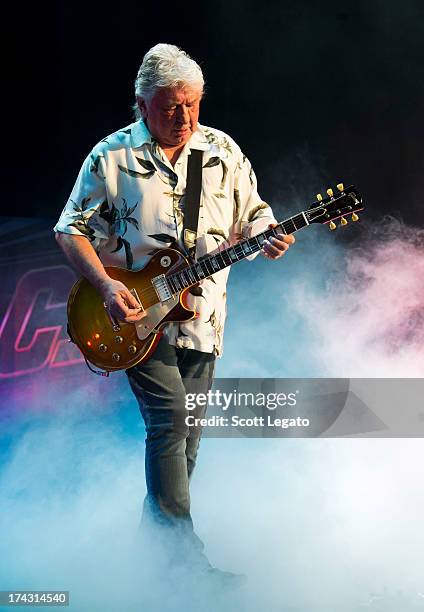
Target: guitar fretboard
x,y
210,264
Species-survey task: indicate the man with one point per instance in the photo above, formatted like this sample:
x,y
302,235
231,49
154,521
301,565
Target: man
x,y
128,201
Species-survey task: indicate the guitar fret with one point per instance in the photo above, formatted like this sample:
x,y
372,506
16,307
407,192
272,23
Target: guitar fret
x,y
217,264
226,257
191,276
214,263
209,267
199,271
300,221
175,282
287,228
254,245
204,268
222,264
172,285
194,274
246,248
232,254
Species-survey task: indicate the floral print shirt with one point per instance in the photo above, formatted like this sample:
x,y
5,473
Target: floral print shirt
x,y
128,200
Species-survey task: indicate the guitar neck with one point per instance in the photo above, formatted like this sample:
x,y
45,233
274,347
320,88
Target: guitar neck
x,y
210,264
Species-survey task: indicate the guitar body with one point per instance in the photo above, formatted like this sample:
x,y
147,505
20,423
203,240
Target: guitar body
x,y
114,345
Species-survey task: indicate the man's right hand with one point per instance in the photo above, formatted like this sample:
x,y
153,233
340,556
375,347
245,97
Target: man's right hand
x,y
120,302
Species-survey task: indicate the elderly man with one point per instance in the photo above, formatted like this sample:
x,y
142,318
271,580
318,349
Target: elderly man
x,y
127,202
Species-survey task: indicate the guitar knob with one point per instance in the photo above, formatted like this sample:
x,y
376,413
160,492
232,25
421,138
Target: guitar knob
x,y
119,339
102,348
355,217
332,225
343,221
319,197
132,349
116,356
340,187
330,192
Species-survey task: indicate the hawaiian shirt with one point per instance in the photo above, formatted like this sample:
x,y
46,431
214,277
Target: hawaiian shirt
x,y
128,200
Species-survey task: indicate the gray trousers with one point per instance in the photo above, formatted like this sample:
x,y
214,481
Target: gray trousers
x,y
160,386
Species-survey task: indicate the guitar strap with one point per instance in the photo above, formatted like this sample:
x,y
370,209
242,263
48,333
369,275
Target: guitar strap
x,y
192,200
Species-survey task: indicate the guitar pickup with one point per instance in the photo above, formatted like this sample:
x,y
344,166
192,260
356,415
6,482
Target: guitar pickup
x,y
160,285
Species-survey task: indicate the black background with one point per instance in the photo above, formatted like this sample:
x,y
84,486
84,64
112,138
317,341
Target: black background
x,y
314,92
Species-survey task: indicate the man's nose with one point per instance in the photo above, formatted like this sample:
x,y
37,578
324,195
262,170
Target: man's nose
x,y
183,115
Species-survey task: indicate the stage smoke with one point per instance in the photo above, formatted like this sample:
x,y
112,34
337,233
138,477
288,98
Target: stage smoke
x,y
322,525
369,319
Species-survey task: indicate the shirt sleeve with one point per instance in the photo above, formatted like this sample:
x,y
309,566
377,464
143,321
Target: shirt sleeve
x,y
82,215
252,214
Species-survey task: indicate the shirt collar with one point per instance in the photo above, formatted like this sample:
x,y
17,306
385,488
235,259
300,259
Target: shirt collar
x,y
198,140
140,135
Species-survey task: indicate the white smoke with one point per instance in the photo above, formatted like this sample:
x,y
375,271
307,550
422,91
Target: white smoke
x,y
326,309
317,525
369,321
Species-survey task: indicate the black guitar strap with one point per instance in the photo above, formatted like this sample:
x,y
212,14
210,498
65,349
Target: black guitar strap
x,y
192,200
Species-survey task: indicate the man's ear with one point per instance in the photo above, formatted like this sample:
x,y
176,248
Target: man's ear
x,y
142,106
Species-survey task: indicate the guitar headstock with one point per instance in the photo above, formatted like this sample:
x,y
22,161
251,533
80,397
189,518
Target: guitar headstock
x,y
337,205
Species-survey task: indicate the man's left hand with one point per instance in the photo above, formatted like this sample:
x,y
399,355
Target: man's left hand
x,y
277,246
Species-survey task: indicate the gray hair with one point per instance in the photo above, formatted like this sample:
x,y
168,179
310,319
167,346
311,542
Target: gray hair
x,y
165,66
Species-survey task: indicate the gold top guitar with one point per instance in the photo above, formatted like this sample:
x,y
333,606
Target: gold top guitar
x,y
161,288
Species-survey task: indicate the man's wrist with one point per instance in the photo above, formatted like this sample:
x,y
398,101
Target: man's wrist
x,y
102,283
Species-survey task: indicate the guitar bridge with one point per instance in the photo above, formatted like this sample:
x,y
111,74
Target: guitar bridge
x,y
161,287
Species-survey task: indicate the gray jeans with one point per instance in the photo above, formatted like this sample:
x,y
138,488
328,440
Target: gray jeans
x,y
160,386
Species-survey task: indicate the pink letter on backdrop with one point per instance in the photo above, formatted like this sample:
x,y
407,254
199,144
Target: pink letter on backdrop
x,y
33,331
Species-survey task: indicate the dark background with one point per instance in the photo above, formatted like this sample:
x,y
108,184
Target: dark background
x,y
314,92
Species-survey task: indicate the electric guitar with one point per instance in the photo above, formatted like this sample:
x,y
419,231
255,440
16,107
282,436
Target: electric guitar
x,y
161,288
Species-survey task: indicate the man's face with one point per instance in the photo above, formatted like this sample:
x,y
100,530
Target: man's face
x,y
172,114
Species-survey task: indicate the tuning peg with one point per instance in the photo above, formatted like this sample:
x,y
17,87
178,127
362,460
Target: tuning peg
x,y
332,225
319,197
330,192
343,221
340,187
355,217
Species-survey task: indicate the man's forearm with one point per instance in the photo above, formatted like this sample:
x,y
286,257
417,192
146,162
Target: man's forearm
x,y
84,258
120,302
